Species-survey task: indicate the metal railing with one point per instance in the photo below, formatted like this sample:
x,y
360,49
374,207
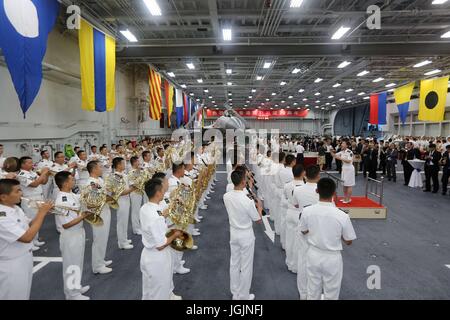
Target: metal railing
x,y
339,182
375,189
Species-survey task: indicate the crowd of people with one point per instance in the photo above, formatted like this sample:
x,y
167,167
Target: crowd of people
x,y
30,191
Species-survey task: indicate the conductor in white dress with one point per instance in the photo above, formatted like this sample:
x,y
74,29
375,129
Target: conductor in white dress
x,y
348,170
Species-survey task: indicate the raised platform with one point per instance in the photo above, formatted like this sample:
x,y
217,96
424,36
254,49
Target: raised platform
x,y
363,208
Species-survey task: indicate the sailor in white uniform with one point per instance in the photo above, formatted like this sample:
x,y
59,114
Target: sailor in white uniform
x,y
156,259
46,163
72,240
105,160
327,227
292,217
241,214
31,185
17,232
82,173
123,212
136,198
348,170
100,233
304,196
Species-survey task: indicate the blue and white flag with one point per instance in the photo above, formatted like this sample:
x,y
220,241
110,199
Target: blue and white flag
x,y
24,29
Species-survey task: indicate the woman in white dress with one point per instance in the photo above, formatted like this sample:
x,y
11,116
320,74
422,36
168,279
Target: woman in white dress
x,y
348,170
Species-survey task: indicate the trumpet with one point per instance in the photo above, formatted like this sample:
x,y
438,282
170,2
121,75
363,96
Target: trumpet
x,y
50,172
36,203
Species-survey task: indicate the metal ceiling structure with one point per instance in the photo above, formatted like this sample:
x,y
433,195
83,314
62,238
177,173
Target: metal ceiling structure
x,y
289,38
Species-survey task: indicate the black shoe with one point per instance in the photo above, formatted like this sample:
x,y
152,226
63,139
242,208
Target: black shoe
x,y
426,190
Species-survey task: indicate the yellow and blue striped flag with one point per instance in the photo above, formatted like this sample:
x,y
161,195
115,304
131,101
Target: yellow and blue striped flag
x,y
98,67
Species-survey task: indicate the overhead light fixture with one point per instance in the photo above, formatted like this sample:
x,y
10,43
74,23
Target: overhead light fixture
x,y
198,100
171,74
200,80
153,7
344,64
282,83
267,64
421,64
340,33
259,78
267,99
429,73
206,91
229,71
288,107
213,102
191,94
129,35
390,90
247,101
250,97
301,90
277,105
439,1
290,97
210,97
304,99
366,98
333,105
253,90
282,101
330,97
229,83
274,94
446,35
349,90
317,107
227,35
190,65
298,3
296,70
230,94
184,86
342,99
306,105
361,93
390,85
348,101
317,94
378,79
327,104
362,73
230,99
295,103
318,101
337,85
318,80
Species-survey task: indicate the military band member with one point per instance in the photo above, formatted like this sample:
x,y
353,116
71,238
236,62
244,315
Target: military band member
x,y
100,233
348,170
75,157
31,185
45,162
156,259
326,228
284,176
82,173
17,232
136,198
123,212
241,214
72,240
105,160
93,155
147,160
304,196
292,217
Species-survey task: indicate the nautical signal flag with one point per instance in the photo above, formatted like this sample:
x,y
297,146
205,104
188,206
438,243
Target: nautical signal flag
x,y
98,67
433,95
168,90
155,94
402,99
179,107
24,29
378,108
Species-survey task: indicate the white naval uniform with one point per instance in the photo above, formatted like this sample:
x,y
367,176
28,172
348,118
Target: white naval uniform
x,y
26,178
275,189
46,188
292,218
56,168
123,214
83,175
104,161
136,203
72,241
156,265
241,214
16,258
326,225
100,234
2,159
266,169
177,256
304,196
284,176
348,169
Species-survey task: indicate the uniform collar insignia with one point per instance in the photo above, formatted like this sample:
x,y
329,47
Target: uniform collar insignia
x,y
2,214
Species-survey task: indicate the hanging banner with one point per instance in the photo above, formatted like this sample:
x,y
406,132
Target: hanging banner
x,y
262,114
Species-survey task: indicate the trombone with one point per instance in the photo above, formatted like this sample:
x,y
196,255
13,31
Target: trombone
x,y
36,203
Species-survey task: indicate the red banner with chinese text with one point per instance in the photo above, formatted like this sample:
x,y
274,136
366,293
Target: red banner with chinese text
x,y
262,114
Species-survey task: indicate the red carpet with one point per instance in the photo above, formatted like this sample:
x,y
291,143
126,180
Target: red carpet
x,y
359,202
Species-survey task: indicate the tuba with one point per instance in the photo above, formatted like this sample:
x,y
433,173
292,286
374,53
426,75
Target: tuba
x,y
180,216
115,186
94,199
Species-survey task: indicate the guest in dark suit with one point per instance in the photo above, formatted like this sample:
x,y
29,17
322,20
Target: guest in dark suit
x,y
432,169
411,154
445,160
